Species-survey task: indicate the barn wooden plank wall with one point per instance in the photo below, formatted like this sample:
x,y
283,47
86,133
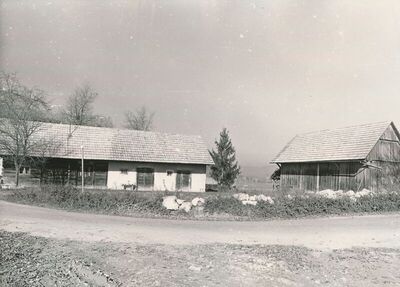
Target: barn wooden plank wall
x,y
332,175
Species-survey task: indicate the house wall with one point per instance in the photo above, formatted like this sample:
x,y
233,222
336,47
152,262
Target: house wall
x,y
162,181
100,174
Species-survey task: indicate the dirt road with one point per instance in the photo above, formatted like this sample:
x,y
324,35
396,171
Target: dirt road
x,y
321,233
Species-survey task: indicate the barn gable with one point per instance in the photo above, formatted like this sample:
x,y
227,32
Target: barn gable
x,y
387,147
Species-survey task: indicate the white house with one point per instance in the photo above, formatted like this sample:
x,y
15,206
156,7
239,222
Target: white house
x,y
118,159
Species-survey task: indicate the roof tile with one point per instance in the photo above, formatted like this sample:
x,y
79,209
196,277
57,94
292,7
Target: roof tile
x,y
125,145
349,143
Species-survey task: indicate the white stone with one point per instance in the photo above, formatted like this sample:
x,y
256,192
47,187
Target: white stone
x,y
186,206
339,192
349,193
179,201
261,197
328,193
249,202
253,198
169,202
241,196
195,268
363,192
198,201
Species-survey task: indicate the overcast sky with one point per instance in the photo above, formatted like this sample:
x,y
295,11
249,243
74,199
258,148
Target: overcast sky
x,y
266,70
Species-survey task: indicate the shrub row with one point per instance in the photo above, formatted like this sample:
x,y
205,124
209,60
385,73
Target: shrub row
x,y
70,197
124,202
300,206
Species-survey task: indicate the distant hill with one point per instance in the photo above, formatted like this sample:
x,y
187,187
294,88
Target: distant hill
x,y
252,173
252,178
260,172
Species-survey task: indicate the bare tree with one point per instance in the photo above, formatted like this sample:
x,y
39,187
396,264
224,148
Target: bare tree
x,y
21,110
45,149
79,109
141,120
56,114
80,105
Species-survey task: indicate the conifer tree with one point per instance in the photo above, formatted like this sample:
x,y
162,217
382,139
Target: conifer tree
x,y
226,168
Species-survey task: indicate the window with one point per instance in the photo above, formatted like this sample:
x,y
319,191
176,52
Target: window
x,y
183,180
145,178
170,172
124,171
24,170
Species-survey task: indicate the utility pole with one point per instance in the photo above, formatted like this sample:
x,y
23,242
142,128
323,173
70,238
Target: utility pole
x,y
317,176
82,171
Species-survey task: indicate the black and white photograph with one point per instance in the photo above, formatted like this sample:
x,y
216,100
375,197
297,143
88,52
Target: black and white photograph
x,y
199,143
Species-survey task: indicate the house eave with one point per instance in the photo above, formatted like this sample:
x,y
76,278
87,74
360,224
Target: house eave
x,y
318,161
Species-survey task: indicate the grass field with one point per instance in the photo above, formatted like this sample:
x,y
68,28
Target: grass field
x,y
255,186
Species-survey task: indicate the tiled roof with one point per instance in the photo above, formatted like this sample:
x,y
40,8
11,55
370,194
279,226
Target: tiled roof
x,y
125,145
349,143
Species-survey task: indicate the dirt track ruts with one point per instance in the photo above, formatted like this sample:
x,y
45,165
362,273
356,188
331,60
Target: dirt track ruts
x,y
316,233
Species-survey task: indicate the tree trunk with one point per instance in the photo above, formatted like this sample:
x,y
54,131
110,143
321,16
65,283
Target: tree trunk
x,y
41,175
17,175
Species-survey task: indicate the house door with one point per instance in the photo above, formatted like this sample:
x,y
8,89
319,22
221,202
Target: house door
x,y
183,180
145,178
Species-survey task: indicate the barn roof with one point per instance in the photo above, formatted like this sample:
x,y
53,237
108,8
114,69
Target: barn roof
x,y
124,145
348,143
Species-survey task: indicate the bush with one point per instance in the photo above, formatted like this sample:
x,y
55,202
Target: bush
x,y
128,202
300,206
153,205
229,205
100,200
379,202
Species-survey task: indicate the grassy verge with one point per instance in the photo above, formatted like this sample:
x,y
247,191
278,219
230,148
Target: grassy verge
x,y
216,205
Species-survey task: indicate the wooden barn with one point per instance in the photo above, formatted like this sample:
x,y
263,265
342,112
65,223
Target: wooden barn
x,y
350,158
